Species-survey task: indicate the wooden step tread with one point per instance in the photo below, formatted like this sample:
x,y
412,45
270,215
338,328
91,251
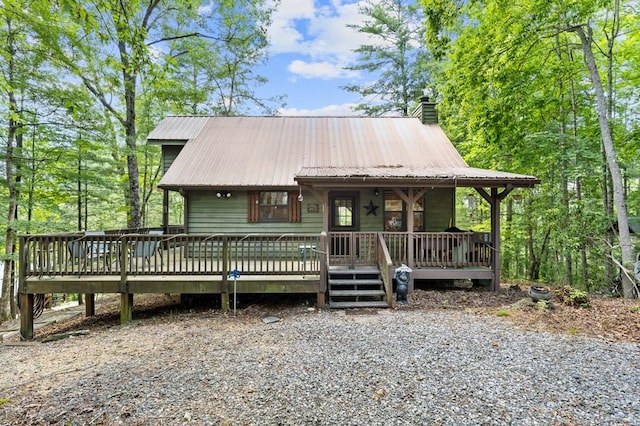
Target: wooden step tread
x,y
353,271
355,282
342,293
362,304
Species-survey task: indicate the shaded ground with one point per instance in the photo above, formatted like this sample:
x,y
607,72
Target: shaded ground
x,y
608,318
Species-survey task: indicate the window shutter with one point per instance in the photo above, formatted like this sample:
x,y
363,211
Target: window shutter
x,y
295,208
253,208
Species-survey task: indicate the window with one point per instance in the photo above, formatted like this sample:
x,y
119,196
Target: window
x,y
274,206
344,212
395,213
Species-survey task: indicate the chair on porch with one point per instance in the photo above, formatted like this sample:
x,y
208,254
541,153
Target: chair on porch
x,y
82,251
147,249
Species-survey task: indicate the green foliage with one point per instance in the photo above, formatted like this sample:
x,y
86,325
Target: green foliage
x,y
398,57
515,95
4,401
571,296
503,313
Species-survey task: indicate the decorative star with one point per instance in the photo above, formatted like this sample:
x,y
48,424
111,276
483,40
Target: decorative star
x,y
371,208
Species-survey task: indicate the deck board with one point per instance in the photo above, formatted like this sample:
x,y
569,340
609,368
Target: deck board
x,y
171,284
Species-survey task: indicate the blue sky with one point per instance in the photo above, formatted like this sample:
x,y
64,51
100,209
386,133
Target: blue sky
x,y
310,46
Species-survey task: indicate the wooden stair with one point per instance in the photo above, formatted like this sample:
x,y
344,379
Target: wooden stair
x,y
356,288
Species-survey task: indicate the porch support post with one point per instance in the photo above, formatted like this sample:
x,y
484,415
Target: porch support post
x,y
126,307
494,201
26,316
495,237
165,210
90,304
410,227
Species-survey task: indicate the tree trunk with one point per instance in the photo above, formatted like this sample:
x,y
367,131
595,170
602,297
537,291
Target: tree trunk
x,y
533,271
610,152
6,298
129,79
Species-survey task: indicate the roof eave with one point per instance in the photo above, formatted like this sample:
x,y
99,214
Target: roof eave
x,y
434,182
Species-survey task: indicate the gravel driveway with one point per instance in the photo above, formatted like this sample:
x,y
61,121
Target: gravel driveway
x,y
328,368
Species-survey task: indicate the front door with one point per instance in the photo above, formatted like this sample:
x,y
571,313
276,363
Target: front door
x,y
343,218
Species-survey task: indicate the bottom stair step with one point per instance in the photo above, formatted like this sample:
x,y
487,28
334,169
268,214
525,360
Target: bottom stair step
x,y
361,304
356,293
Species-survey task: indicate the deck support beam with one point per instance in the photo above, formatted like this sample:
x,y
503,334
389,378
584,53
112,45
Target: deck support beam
x,y
126,307
26,316
90,305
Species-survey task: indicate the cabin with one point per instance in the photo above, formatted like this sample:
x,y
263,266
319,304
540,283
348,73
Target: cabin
x,y
329,206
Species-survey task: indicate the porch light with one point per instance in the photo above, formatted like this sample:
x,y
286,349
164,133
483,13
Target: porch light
x,y
471,202
223,194
300,197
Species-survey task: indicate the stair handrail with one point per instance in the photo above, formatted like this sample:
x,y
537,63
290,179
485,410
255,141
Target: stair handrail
x,y
384,264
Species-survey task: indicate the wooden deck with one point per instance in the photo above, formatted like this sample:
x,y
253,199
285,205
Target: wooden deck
x,y
204,264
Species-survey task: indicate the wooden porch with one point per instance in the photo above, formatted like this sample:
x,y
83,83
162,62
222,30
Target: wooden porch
x,y
204,264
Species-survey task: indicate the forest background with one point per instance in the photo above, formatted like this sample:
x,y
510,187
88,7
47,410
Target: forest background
x,y
549,89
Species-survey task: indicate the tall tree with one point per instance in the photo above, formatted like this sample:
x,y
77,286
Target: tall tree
x,y
396,56
114,47
217,74
20,72
516,93
619,199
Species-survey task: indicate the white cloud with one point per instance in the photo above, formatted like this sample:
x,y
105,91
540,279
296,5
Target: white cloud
x,y
325,111
318,33
323,70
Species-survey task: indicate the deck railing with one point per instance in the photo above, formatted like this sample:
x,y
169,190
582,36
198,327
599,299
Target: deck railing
x,y
253,254
440,249
429,249
179,254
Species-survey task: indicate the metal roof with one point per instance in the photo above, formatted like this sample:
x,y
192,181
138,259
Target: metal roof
x,y
267,152
177,128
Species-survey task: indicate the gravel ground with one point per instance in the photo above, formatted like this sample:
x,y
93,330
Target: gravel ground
x,y
387,367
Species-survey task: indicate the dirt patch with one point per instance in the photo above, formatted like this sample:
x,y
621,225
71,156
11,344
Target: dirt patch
x,y
608,318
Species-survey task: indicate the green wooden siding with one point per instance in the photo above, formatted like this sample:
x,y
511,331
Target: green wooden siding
x,y
169,153
439,209
208,214
371,223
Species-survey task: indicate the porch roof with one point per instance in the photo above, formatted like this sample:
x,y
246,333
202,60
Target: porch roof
x,y
415,177
275,152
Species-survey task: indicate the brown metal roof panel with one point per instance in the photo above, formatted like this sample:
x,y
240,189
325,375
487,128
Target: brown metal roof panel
x,y
270,151
177,128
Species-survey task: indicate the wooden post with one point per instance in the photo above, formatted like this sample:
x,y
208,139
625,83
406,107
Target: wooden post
x,y
224,286
90,305
126,307
494,201
322,286
165,211
495,236
26,316
410,227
